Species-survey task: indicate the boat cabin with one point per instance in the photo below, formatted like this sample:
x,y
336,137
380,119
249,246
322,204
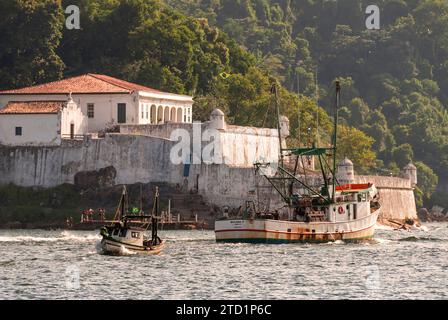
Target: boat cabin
x,y
352,202
133,236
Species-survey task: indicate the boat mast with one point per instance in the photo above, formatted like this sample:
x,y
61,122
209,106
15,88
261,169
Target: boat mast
x,y
155,212
274,90
123,203
335,135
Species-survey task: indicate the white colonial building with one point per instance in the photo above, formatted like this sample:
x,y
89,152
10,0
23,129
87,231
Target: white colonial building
x,y
107,101
40,123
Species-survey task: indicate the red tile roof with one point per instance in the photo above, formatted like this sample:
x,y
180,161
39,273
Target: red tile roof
x,y
26,107
88,83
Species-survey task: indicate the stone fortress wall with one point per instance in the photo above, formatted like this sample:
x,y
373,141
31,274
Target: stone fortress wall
x,y
396,193
142,154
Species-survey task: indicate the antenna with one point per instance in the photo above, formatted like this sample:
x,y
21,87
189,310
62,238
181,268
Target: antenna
x,y
274,91
317,108
298,106
335,136
298,123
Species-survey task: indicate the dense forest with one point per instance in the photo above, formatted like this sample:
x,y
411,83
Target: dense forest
x,y
227,53
395,80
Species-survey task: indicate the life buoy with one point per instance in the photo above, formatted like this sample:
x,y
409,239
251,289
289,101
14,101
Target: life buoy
x,y
341,210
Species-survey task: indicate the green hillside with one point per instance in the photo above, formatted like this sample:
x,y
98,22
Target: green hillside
x,y
394,80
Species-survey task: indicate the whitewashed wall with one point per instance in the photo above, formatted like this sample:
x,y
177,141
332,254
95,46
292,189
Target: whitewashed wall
x,y
106,106
238,146
71,113
172,111
243,146
396,196
37,129
146,159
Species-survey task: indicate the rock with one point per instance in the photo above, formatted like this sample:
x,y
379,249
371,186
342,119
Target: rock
x,y
423,215
96,179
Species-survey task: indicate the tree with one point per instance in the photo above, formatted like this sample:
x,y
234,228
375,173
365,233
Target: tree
x,y
30,34
357,146
403,154
427,180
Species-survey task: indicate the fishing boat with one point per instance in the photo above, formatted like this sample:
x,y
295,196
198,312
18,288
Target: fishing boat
x,y
129,232
322,212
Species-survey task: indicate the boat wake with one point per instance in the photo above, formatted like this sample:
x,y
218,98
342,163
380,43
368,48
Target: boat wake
x,y
381,241
415,239
379,226
126,252
64,236
98,248
192,239
335,242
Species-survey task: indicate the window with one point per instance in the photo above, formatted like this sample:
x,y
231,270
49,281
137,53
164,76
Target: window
x,y
90,110
135,235
18,131
121,112
143,111
147,114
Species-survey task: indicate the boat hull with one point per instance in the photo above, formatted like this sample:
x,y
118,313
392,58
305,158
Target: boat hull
x,y
114,247
280,231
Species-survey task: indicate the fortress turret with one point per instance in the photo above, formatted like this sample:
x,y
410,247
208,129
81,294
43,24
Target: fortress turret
x,y
346,173
410,172
284,126
217,120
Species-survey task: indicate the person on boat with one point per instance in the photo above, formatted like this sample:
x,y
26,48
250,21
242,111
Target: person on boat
x,y
85,216
102,214
90,215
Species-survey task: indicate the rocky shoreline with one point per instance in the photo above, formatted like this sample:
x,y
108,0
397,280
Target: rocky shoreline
x,y
433,215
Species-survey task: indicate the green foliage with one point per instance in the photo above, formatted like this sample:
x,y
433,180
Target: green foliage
x,y
418,194
149,43
30,34
403,154
394,80
427,180
357,146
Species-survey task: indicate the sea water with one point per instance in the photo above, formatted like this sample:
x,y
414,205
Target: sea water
x,y
38,264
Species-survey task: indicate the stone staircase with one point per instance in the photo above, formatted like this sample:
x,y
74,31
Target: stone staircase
x,y
187,205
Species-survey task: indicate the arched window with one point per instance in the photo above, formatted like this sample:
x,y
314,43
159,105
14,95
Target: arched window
x,y
166,114
159,114
179,115
153,114
173,115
